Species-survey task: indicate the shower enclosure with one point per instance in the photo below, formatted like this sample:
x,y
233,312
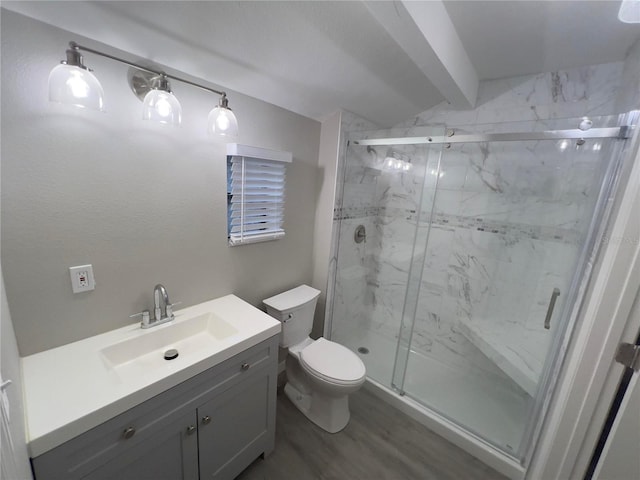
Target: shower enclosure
x,y
463,254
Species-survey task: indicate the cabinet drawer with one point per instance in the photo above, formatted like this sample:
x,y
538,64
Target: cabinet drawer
x,y
129,431
223,376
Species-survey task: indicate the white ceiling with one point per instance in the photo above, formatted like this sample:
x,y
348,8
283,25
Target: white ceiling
x,y
507,38
317,57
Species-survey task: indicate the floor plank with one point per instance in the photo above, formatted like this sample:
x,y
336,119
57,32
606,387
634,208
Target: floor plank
x,y
380,442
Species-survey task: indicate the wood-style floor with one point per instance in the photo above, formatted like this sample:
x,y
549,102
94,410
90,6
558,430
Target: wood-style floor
x,y
380,442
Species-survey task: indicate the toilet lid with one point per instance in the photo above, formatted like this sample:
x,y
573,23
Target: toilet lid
x,y
333,361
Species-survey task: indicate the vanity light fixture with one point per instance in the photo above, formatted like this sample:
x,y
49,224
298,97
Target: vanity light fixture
x,y
73,83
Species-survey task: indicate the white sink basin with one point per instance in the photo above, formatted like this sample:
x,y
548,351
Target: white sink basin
x,y
188,336
91,381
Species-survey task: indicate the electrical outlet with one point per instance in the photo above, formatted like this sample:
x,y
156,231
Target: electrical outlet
x,y
82,278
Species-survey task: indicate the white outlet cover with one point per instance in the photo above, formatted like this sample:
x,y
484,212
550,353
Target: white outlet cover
x,y
82,278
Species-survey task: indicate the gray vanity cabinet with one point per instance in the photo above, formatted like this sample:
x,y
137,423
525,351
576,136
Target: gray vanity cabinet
x,y
212,426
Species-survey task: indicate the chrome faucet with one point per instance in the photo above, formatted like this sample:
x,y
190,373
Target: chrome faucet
x,y
160,298
159,291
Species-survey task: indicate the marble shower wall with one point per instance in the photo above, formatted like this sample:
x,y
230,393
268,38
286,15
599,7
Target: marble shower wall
x,y
629,95
508,220
504,232
503,237
349,300
584,91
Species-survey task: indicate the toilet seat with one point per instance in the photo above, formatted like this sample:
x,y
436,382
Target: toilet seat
x,y
332,363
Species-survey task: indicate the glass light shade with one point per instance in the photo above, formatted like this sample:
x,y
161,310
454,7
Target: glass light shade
x,y
223,122
629,11
73,85
161,106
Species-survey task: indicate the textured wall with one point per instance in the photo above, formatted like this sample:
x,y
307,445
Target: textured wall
x,y
144,203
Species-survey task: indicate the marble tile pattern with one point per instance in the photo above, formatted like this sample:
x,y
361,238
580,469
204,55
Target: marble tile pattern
x,y
629,94
505,224
496,249
584,91
348,261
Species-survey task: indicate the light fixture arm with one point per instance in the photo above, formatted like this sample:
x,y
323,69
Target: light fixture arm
x,y
73,55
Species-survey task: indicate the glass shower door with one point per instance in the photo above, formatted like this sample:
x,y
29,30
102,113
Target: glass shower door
x,y
376,221
511,233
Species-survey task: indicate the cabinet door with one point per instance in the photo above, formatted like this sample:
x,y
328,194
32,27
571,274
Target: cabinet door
x,y
171,454
236,427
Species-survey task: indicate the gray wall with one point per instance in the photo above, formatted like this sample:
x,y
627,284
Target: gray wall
x,y
142,202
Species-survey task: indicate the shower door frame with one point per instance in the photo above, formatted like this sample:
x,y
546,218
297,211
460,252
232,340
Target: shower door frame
x,y
558,348
589,381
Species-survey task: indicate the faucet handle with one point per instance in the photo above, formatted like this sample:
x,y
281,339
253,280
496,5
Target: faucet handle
x,y
169,308
145,317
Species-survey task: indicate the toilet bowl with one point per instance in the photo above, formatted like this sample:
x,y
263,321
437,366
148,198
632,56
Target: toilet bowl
x,y
320,373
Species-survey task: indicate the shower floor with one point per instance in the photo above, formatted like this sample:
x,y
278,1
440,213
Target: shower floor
x,y
485,406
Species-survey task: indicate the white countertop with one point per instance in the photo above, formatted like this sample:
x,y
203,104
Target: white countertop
x,y
70,389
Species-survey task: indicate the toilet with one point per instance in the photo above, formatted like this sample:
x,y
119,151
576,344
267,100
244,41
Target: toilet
x,y
320,374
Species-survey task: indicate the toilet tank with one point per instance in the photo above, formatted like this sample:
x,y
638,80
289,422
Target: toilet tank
x,y
295,309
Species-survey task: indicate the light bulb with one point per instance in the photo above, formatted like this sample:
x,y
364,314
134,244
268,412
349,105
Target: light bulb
x,y
163,107
77,86
222,121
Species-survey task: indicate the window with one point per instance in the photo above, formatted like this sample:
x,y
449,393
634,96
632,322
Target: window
x,y
255,193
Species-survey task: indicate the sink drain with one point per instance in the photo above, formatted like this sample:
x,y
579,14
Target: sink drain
x,y
171,354
363,350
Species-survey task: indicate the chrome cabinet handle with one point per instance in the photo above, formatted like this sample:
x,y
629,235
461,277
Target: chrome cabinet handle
x,y
191,429
128,433
552,303
206,420
245,366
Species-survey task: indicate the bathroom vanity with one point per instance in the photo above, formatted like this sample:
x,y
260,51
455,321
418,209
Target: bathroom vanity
x,y
207,414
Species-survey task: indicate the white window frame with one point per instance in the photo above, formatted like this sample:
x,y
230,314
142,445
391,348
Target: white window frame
x,y
256,180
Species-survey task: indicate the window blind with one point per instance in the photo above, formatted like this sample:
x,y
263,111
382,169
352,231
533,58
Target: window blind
x,y
256,188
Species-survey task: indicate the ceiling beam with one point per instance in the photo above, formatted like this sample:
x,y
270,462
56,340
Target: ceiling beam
x,y
426,33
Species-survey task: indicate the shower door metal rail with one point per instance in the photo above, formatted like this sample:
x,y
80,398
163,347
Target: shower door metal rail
x,y
622,132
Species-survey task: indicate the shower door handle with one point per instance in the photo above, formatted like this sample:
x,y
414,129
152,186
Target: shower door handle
x,y
552,303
